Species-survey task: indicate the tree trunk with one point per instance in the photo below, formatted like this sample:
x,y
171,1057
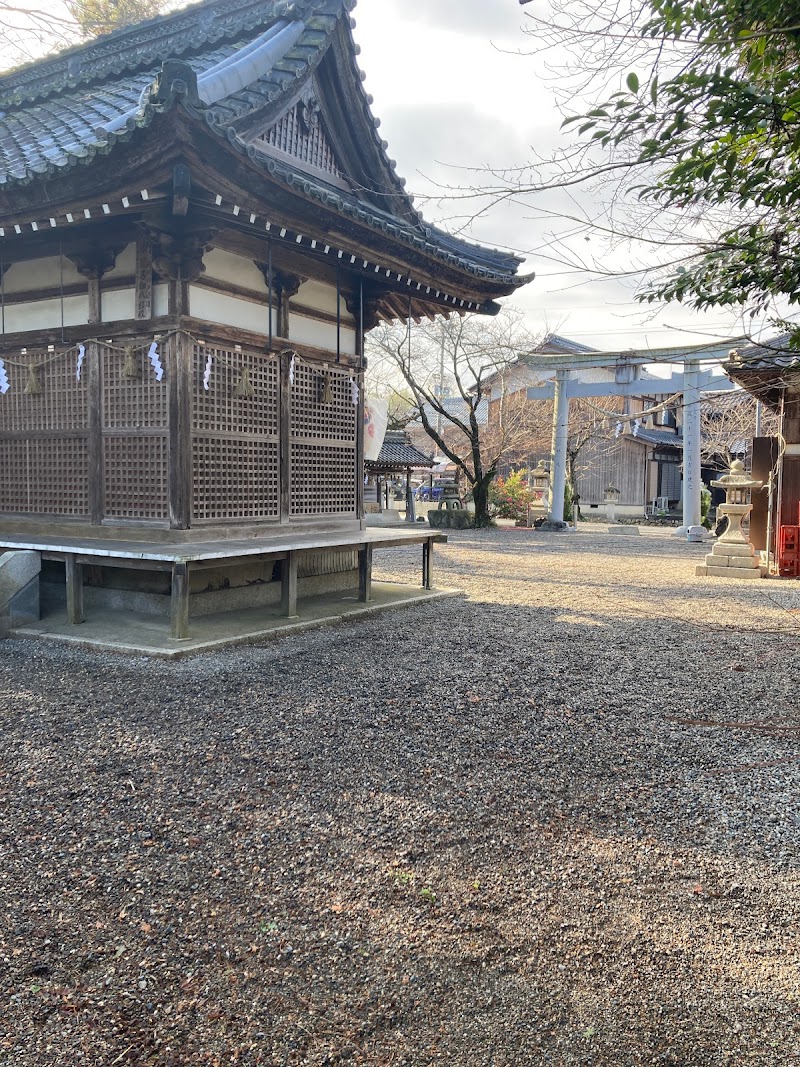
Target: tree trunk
x,y
480,497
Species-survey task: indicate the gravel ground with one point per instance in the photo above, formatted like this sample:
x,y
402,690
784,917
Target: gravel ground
x,y
552,822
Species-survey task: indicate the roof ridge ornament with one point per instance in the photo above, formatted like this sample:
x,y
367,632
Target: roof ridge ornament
x,y
176,81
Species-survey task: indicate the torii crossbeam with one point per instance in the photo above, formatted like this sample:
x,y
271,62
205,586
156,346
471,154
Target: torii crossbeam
x,y
627,368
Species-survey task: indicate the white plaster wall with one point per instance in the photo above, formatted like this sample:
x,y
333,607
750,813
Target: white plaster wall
x,y
120,304
227,267
321,297
40,274
44,314
230,310
125,265
161,299
320,334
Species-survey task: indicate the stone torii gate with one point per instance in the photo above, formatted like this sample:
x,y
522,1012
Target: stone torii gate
x,y
627,367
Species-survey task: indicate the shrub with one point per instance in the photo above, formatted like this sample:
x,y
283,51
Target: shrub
x,y
510,497
451,518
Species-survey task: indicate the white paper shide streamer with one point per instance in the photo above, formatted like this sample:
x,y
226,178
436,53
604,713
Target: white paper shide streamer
x,y
4,386
207,375
155,360
354,393
291,371
79,365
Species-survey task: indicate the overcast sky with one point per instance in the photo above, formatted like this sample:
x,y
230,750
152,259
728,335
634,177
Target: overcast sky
x,y
454,92
457,90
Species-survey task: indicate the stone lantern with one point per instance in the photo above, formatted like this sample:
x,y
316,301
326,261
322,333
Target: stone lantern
x,y
611,499
732,555
540,489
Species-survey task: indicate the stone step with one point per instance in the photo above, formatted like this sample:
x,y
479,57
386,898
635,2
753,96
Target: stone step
x,y
706,571
19,588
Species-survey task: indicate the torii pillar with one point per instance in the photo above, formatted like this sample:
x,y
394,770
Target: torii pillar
x,y
558,475
692,479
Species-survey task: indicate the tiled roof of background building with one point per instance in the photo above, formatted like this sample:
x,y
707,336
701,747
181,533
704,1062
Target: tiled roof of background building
x,y
398,451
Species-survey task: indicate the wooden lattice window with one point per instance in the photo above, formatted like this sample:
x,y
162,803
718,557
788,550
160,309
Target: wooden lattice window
x,y
235,479
44,437
135,476
219,408
44,475
60,404
322,450
135,445
322,480
322,407
235,439
138,401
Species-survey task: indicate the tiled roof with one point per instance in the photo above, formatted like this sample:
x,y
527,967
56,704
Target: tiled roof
x,y
459,408
397,450
771,355
658,437
554,344
63,110
247,55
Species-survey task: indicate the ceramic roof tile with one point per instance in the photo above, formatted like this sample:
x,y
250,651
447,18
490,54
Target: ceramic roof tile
x,y
774,354
69,108
397,450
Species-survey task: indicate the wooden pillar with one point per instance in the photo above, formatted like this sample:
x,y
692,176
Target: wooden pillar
x,y
427,561
179,358
94,444
284,434
95,299
289,586
360,511
74,590
179,601
365,573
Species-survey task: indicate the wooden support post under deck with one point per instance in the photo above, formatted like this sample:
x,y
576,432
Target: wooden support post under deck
x,y
365,573
74,590
427,560
289,586
179,601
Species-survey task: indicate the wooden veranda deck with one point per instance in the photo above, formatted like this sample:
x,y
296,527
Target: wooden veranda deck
x,y
178,559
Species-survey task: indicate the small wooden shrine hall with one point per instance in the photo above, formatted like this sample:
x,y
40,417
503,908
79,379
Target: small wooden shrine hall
x,y
771,372
199,223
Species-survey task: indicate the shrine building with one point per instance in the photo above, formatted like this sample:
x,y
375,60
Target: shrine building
x,y
199,223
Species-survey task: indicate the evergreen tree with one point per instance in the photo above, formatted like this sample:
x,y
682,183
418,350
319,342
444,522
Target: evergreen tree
x,y
95,17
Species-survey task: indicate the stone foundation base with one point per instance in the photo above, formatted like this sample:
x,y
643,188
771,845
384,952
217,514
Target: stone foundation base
x,y
704,571
235,587
730,559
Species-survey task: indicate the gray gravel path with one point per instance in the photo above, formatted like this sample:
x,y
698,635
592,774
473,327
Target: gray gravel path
x,y
555,821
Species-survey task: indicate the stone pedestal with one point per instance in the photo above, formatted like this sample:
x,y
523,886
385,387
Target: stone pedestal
x,y
730,561
733,556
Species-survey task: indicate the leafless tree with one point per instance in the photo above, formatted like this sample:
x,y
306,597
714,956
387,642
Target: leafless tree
x,y
728,426
451,368
31,28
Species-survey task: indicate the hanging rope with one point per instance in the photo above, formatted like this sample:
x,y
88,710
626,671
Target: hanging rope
x,y
244,387
130,368
32,386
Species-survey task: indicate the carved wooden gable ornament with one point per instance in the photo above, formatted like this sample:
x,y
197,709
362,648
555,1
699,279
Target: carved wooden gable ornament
x,y
300,133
